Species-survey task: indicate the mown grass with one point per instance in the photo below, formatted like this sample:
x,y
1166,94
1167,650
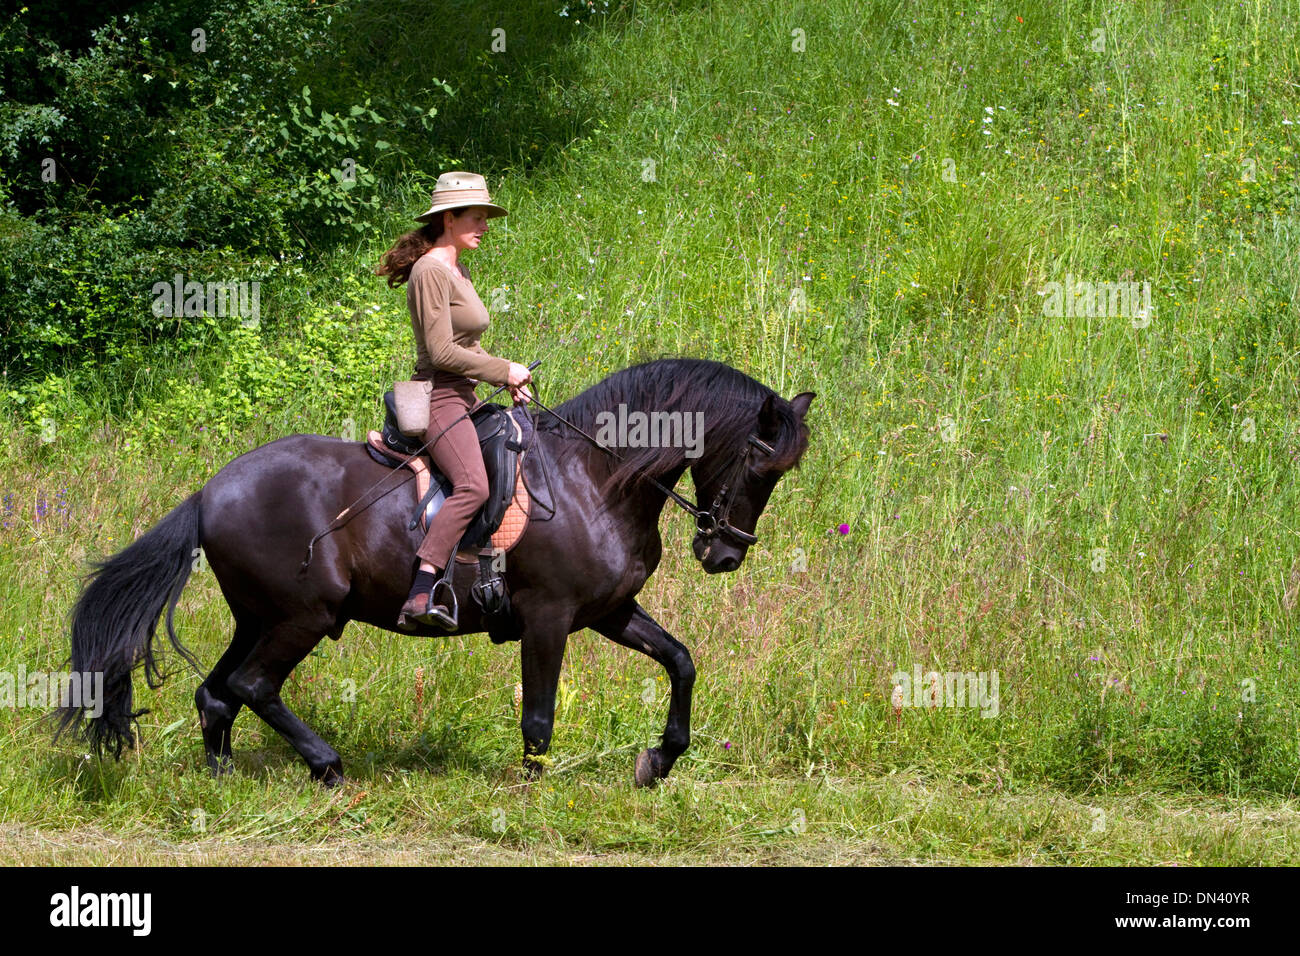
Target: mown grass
x,y
1101,512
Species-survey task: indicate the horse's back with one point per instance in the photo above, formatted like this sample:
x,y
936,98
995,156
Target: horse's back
x,y
299,467
260,511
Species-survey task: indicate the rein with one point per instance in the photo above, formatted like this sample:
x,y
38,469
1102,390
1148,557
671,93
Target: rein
x,y
712,522
709,523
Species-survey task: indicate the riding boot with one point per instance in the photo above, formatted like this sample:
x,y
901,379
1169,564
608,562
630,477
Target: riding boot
x,y
419,607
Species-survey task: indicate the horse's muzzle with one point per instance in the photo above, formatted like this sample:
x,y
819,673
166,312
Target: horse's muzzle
x,y
714,556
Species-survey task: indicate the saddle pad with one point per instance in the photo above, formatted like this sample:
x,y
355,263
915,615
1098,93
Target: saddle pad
x,y
515,520
380,450
513,524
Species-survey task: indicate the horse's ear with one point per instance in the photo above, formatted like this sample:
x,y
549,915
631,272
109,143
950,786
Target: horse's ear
x,y
801,402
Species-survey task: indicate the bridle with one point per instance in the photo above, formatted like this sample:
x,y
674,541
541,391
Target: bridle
x,y
713,523
709,524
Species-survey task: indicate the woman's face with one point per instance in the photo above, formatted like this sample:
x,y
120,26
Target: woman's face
x,y
466,229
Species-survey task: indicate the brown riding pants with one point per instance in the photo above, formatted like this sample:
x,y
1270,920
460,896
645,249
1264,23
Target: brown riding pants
x,y
457,455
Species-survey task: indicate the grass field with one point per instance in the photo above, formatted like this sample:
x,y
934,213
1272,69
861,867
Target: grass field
x,y
1099,508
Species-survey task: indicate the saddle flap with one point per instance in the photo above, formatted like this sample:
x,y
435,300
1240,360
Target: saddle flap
x,y
500,440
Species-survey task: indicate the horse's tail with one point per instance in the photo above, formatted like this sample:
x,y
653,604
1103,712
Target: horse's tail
x,y
113,626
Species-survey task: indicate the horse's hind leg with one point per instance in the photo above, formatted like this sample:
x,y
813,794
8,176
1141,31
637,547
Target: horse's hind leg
x,y
218,706
257,682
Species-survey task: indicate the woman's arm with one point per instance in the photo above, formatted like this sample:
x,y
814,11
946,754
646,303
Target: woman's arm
x,y
429,296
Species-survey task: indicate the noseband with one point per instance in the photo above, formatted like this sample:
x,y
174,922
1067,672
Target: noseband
x,y
713,523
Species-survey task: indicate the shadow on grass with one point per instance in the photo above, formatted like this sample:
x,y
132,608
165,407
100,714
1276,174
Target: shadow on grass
x,y
90,779
434,752
503,59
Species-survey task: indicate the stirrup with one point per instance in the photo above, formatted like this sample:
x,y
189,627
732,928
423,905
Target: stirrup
x,y
445,616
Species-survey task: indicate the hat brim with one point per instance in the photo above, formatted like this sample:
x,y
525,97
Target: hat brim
x,y
494,211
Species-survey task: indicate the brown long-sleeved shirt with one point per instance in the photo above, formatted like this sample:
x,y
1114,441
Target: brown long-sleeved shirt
x,y
448,318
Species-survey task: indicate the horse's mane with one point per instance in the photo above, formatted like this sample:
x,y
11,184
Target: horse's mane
x,y
729,399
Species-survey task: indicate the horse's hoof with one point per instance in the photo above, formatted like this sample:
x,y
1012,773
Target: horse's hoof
x,y
330,776
220,767
648,763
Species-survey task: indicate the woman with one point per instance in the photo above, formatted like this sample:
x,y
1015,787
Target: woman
x,y
448,318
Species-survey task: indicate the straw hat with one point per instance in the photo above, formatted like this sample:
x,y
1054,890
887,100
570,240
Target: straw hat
x,y
457,190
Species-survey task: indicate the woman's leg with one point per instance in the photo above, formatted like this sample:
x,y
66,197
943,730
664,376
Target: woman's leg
x,y
457,455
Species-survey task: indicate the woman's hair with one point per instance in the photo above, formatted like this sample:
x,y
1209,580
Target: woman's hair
x,y
397,261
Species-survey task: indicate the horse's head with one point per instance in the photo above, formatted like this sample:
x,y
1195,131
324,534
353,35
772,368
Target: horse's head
x,y
735,478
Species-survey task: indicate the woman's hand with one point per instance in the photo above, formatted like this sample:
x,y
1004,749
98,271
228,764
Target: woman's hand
x,y
518,378
519,375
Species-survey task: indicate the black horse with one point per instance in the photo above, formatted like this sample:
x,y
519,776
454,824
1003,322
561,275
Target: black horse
x,y
581,568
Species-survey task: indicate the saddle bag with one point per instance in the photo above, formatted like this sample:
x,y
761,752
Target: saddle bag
x,y
394,437
411,407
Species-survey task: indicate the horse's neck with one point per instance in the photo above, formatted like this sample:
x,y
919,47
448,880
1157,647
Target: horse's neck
x,y
647,503
641,497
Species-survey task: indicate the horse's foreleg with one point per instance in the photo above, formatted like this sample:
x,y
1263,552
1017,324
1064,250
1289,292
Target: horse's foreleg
x,y
541,650
257,682
632,627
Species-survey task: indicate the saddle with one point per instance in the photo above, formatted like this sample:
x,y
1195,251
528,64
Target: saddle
x,y
504,436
